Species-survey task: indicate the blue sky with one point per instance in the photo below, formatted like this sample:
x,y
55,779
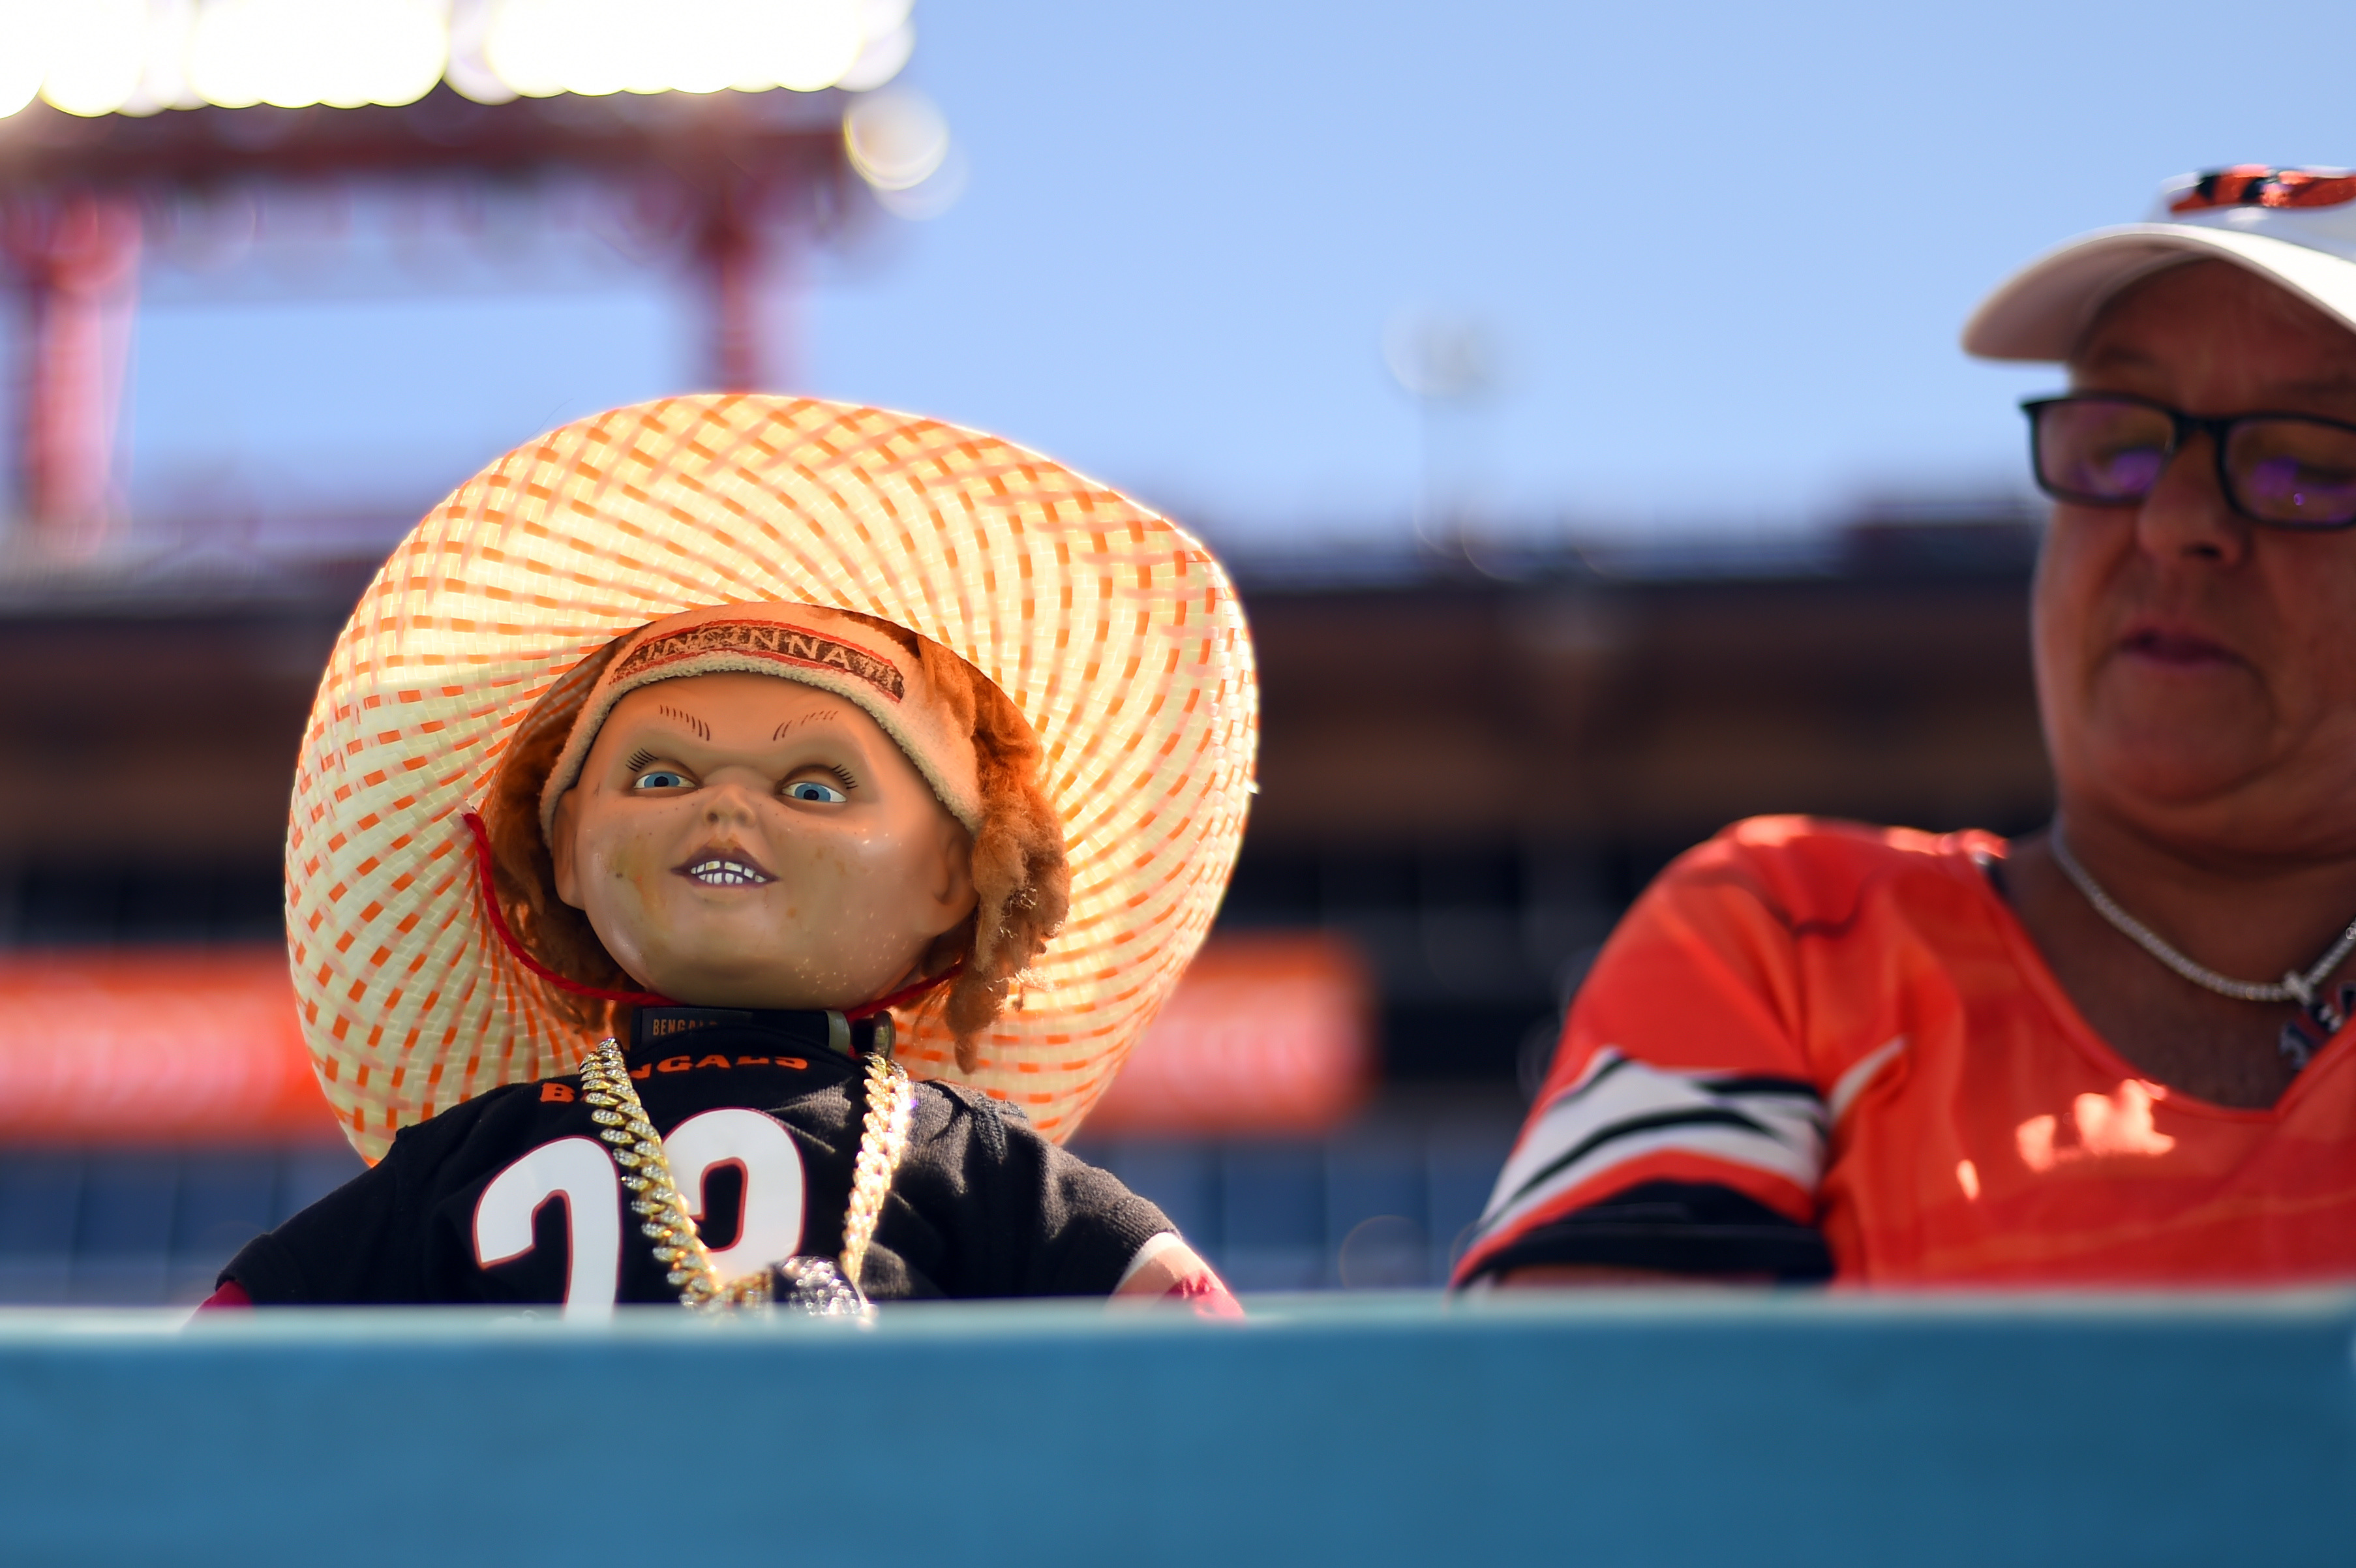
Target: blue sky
x,y
1723,251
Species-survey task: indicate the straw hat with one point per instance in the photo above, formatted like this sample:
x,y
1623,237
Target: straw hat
x,y
1116,634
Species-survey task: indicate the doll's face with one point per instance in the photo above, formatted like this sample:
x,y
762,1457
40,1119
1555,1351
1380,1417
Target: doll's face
x,y
741,841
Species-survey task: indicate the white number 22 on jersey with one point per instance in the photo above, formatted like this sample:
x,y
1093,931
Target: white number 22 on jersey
x,y
582,1173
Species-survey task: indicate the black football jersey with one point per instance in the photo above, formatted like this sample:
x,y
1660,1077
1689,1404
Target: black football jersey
x,y
513,1197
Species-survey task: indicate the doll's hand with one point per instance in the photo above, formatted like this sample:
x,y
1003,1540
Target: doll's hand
x,y
1168,1270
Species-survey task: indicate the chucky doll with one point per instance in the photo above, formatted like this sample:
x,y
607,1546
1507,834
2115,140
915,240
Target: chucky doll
x,y
735,841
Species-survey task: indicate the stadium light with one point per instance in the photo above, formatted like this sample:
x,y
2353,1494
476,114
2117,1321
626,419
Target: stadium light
x,y
136,57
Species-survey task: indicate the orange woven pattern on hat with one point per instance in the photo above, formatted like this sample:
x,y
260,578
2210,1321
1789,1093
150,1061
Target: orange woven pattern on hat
x,y
1116,635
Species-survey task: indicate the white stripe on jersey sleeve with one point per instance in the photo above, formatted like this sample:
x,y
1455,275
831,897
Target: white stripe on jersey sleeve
x,y
1859,1079
1622,1109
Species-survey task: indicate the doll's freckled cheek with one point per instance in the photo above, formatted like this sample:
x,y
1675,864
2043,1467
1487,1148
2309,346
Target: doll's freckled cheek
x,y
625,862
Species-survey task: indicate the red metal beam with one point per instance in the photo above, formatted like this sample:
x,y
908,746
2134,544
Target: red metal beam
x,y
766,136
746,164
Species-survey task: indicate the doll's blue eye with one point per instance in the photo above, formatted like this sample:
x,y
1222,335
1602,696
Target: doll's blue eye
x,y
811,789
661,778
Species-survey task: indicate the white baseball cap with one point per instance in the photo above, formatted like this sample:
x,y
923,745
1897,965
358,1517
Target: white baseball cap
x,y
2295,227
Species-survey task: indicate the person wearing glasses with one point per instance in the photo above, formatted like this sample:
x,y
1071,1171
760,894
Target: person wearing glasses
x,y
2114,1051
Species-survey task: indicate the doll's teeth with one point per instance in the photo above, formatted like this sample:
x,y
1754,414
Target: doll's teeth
x,y
725,874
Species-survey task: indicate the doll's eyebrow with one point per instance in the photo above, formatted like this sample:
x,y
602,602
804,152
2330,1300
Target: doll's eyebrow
x,y
690,720
806,718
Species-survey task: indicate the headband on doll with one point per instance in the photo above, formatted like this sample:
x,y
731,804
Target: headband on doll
x,y
793,642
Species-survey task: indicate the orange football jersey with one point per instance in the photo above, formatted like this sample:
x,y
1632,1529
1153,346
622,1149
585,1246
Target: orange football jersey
x,y
1847,1027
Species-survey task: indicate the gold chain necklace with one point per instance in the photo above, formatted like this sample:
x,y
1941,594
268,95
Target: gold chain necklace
x,y
815,1284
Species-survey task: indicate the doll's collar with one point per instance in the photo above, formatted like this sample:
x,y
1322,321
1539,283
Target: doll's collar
x,y
675,1028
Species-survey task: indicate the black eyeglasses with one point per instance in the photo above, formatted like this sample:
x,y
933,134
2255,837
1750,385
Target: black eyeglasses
x,y
2285,470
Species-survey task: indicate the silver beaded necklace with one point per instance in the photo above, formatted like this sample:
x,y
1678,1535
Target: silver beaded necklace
x,y
2295,985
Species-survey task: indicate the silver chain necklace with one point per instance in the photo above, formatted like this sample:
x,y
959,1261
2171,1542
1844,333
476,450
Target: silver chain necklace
x,y
2294,986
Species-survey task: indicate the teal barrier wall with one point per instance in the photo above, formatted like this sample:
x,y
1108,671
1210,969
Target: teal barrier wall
x,y
1754,1430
